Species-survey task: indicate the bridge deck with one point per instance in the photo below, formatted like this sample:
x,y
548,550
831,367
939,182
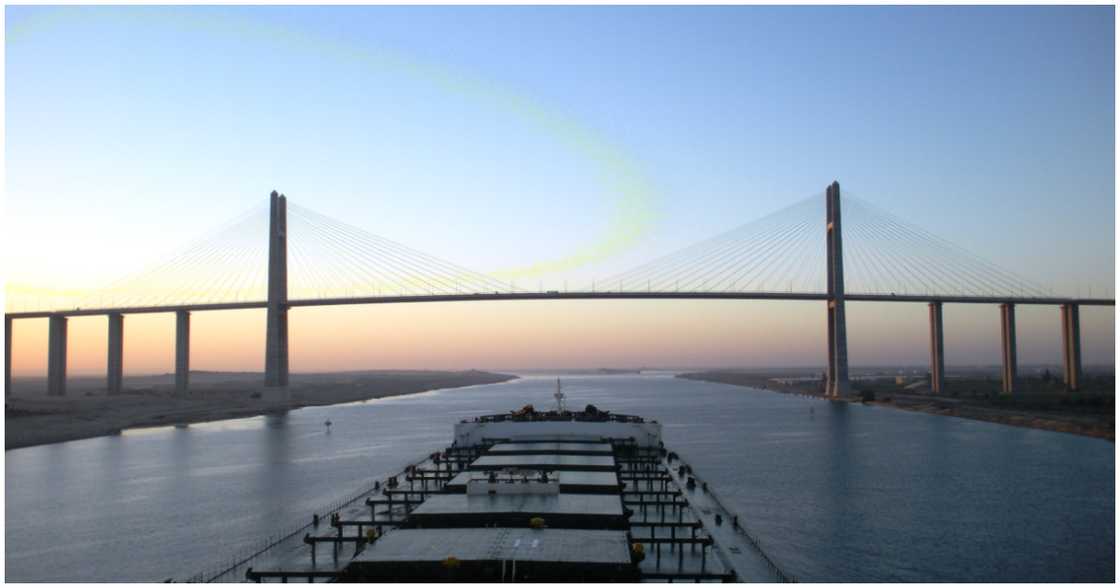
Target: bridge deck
x,y
789,296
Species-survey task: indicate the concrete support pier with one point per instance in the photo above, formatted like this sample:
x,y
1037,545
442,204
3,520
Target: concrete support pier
x,y
56,356
1010,360
7,356
276,329
182,352
837,377
936,350
1071,346
115,363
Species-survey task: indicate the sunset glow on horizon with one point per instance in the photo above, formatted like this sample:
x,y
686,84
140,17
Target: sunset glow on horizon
x,y
547,148
564,335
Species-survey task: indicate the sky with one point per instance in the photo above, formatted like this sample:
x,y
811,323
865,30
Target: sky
x,y
551,146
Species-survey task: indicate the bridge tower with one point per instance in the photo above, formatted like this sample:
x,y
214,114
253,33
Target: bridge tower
x,y
276,333
1071,346
7,355
182,352
1010,356
837,379
56,355
936,349
114,364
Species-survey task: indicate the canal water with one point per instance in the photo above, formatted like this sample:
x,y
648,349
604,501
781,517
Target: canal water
x,y
835,492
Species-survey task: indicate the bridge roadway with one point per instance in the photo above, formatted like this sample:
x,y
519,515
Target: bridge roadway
x,y
556,295
277,305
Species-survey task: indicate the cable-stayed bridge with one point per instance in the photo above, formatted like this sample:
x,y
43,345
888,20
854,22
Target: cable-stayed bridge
x,y
858,253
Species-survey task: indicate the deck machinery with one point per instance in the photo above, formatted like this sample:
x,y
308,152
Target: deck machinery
x,y
531,496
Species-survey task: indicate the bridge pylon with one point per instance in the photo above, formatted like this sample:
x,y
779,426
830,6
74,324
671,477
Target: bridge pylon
x,y
56,355
182,352
1010,372
114,364
1071,346
936,349
837,377
7,355
276,330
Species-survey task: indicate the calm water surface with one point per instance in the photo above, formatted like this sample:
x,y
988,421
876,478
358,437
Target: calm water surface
x,y
835,492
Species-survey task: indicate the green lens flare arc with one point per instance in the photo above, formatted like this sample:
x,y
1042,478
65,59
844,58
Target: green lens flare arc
x,y
633,210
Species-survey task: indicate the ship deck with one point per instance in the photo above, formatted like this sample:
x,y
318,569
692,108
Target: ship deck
x,y
571,481
545,461
547,448
630,514
539,553
569,511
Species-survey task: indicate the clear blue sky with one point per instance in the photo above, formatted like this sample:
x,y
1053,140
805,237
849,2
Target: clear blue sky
x,y
499,137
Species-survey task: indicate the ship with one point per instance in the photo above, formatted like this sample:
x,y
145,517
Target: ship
x,y
528,495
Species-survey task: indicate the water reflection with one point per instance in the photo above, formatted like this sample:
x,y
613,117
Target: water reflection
x,y
836,491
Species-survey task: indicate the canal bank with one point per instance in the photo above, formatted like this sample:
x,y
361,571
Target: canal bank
x,y
88,412
1099,424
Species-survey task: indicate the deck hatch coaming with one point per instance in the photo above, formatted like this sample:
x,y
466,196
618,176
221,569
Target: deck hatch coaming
x,y
570,511
553,545
601,463
571,481
550,448
496,554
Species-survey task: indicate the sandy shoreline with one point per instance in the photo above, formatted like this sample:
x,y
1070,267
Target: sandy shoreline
x,y
1073,424
1062,422
32,419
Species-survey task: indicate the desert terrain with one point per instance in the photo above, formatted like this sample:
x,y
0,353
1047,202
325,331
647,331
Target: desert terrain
x,y
1040,402
33,418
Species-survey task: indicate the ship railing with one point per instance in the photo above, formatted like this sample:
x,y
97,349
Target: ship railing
x,y
555,416
248,554
245,555
775,569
